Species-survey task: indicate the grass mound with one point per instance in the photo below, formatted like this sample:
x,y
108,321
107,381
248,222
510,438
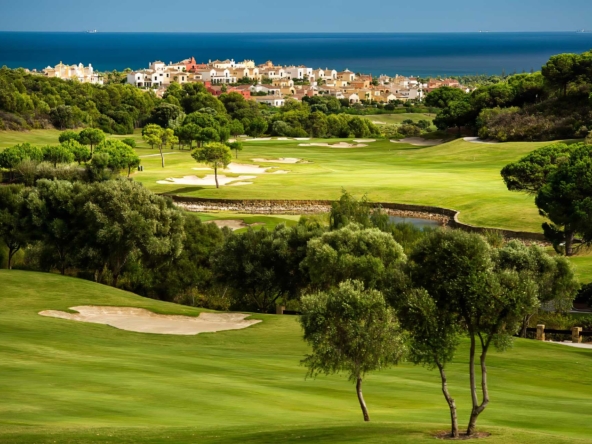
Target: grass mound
x,y
70,382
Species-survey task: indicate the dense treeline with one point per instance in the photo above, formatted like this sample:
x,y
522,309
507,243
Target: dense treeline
x,y
551,104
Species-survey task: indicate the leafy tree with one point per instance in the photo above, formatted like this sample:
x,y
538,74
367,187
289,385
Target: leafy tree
x,y
167,115
207,135
167,139
236,146
57,154
129,141
64,116
11,157
80,152
215,154
257,127
122,218
459,269
366,255
120,155
350,330
68,135
560,70
92,137
457,114
14,229
350,210
236,128
151,134
444,96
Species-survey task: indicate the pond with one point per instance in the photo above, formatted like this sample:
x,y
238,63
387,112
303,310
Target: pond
x,y
416,222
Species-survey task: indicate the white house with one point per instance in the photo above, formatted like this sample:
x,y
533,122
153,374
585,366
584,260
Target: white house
x,y
74,72
217,76
298,72
275,101
268,89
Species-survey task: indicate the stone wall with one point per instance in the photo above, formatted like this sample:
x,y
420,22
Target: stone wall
x,y
253,206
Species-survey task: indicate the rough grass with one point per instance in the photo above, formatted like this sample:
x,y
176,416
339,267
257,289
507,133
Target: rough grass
x,y
399,118
69,382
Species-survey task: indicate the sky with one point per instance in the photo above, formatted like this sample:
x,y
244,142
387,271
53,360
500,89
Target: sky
x,y
291,16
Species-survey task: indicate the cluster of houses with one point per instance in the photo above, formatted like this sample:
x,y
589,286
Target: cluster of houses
x,y
267,83
84,74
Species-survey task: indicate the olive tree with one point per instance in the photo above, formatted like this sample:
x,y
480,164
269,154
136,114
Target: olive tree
x,y
14,229
350,330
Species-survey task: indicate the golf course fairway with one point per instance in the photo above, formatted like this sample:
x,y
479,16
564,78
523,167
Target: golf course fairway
x,y
64,381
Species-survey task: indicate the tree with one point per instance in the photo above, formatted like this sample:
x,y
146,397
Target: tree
x,y
236,128
14,230
442,97
236,146
457,114
560,70
167,139
350,210
152,134
366,255
459,269
11,157
92,137
80,152
64,116
350,329
122,218
68,135
207,135
129,141
120,156
167,115
215,154
257,127
57,154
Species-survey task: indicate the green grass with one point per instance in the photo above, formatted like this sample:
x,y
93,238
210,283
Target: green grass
x,y
69,382
398,118
261,221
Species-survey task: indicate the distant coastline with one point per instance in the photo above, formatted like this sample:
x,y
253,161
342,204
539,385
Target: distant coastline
x,y
419,54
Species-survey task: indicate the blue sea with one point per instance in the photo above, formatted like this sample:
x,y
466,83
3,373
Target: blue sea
x,y
423,54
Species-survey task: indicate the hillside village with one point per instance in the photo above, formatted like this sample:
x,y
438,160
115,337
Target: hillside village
x,y
268,83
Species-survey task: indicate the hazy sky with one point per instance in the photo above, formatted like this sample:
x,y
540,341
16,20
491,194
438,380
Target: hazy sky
x,y
290,16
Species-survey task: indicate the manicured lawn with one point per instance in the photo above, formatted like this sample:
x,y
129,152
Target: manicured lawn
x,y
398,118
258,221
68,382
460,175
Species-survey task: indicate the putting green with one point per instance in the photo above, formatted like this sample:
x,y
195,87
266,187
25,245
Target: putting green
x,y
71,382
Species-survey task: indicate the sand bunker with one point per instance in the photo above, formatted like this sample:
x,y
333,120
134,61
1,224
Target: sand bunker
x,y
258,139
237,168
239,184
418,141
143,321
301,138
364,140
209,180
280,160
233,224
335,145
478,140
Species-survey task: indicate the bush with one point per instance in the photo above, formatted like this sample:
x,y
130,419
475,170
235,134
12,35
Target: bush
x,y
410,130
129,142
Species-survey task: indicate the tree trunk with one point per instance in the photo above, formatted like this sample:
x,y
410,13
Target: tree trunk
x,y
478,408
216,176
569,238
451,403
11,253
525,322
161,155
361,399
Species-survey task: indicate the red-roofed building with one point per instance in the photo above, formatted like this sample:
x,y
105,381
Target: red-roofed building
x,y
243,90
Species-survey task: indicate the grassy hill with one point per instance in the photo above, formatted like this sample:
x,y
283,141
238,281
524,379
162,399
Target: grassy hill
x,y
69,382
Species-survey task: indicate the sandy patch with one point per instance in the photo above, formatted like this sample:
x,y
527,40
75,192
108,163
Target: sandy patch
x,y
258,139
335,145
364,140
478,140
574,344
143,321
282,138
378,123
209,180
280,160
238,168
233,224
301,138
239,184
280,172
418,141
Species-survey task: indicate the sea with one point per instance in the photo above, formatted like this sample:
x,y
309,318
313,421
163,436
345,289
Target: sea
x,y
419,54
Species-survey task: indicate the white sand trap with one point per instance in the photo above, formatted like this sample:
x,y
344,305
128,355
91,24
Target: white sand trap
x,y
335,145
208,180
233,224
280,160
238,168
478,140
418,141
282,138
239,184
364,140
574,344
258,139
143,321
301,138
